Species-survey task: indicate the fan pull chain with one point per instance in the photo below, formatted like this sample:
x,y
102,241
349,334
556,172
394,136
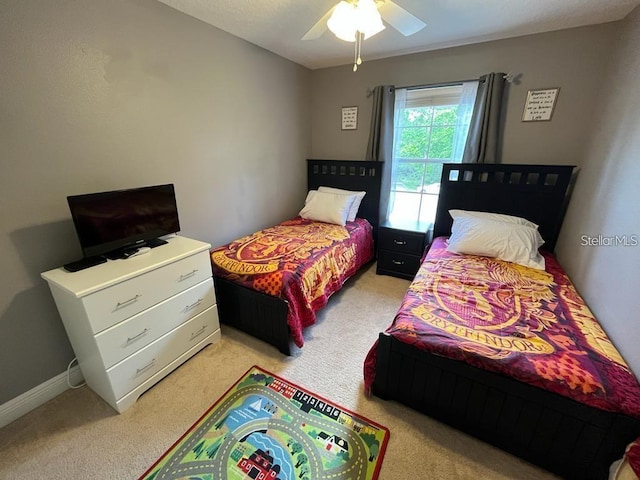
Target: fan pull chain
x,y
356,55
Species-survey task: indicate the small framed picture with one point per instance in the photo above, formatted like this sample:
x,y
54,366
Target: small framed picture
x,y
349,118
539,105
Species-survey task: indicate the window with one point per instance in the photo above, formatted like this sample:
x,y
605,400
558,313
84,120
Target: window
x,y
430,128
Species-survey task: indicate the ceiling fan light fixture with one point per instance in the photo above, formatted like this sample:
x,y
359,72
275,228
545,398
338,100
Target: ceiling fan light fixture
x,y
355,21
369,21
343,22
348,19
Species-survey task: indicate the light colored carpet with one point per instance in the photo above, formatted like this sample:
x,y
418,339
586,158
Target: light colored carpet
x,y
76,435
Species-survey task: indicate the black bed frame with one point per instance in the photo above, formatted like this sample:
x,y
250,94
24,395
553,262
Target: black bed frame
x,y
265,316
539,193
549,430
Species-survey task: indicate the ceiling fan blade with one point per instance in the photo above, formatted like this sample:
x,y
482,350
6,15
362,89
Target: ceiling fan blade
x,y
319,28
406,23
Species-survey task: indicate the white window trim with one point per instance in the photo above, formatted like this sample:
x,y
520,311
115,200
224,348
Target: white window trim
x,y
426,97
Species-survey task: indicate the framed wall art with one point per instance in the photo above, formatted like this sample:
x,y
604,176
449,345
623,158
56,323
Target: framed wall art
x,y
349,118
540,104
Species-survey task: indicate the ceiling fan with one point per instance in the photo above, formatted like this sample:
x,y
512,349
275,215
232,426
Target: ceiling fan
x,y
396,16
357,20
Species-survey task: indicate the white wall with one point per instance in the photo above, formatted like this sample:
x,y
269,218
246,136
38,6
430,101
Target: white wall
x,y
606,201
100,95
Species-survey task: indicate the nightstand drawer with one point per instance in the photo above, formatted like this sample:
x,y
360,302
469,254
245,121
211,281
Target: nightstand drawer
x,y
394,262
401,241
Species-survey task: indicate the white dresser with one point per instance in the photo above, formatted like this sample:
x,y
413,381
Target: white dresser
x,y
133,321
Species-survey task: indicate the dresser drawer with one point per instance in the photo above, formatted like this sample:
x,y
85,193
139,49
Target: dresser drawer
x,y
401,241
123,300
125,338
142,365
394,262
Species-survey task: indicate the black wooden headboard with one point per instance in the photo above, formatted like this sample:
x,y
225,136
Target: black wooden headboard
x,y
538,193
350,175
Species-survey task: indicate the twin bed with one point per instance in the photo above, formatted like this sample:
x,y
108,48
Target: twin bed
x,y
505,352
508,353
271,283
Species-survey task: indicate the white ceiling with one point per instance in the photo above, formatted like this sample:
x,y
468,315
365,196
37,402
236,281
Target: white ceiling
x,y
278,25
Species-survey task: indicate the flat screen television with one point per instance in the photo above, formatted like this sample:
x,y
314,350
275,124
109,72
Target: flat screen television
x,y
112,223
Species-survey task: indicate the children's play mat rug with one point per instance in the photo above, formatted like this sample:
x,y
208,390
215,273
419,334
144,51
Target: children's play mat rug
x,y
267,428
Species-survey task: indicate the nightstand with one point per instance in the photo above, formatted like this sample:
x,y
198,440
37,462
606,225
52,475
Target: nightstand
x,y
400,248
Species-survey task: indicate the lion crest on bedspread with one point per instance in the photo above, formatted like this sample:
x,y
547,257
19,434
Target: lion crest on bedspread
x,y
266,251
493,307
525,323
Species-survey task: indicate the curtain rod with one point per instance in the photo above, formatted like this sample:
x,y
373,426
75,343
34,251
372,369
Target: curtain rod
x,y
442,84
428,85
509,77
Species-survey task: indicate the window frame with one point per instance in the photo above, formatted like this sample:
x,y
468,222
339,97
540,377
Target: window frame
x,y
428,101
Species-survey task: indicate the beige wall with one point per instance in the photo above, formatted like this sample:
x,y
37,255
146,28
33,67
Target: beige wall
x,y
117,94
101,95
595,125
570,59
606,201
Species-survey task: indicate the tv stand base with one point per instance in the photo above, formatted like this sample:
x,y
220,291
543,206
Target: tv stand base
x,y
84,263
122,253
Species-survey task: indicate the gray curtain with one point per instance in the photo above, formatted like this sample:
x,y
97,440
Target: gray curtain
x,y
380,146
486,122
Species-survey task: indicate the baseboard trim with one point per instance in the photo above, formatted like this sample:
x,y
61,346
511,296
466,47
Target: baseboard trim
x,y
23,404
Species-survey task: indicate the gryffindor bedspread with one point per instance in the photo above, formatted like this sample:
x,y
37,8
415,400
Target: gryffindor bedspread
x,y
528,324
300,261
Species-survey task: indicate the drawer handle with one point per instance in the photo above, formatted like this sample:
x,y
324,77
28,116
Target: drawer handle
x,y
399,242
146,367
137,337
127,302
188,275
198,333
193,305
397,262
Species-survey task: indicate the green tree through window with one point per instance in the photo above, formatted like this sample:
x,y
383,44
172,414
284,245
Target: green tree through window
x,y
425,134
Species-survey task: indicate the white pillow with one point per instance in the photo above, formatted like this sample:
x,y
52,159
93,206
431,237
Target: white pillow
x,y
357,199
507,241
310,195
328,208
498,217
